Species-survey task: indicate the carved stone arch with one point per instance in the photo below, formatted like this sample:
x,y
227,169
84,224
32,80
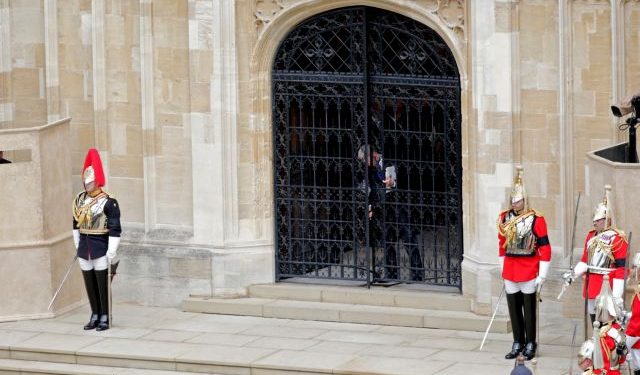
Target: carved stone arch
x,y
288,18
262,58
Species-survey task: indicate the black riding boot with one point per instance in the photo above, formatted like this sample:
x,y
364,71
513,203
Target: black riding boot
x,y
530,325
91,285
515,301
636,372
101,277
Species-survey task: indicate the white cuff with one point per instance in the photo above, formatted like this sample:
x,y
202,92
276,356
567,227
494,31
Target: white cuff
x,y
614,334
544,269
580,268
618,288
76,237
113,247
501,263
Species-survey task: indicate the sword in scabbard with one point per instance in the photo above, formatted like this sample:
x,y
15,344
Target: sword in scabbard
x,y
66,275
109,291
492,318
626,271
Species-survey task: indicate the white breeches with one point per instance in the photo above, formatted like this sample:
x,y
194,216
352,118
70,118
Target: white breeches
x,y
526,287
591,306
634,354
93,264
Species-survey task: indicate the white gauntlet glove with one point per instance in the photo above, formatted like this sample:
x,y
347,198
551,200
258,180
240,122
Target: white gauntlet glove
x,y
76,237
618,288
113,248
501,263
542,274
580,269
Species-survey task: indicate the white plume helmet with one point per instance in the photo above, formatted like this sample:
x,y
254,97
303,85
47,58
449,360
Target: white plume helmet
x,y
597,357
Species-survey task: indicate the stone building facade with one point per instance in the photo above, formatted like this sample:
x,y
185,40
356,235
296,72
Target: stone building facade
x,y
177,97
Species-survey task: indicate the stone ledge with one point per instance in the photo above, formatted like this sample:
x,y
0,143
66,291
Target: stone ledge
x,y
36,367
346,313
393,296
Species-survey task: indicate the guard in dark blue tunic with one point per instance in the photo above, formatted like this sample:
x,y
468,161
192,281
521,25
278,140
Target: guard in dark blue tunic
x,y
96,234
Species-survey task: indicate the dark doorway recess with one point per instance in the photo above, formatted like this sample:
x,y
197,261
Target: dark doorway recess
x,y
365,76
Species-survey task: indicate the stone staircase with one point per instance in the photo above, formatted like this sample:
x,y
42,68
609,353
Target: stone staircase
x,y
393,306
26,367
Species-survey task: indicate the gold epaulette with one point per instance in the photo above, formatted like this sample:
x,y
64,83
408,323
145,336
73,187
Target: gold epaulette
x,y
536,212
619,232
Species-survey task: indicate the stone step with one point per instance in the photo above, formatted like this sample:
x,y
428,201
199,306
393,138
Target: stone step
x,y
70,355
346,313
377,296
15,366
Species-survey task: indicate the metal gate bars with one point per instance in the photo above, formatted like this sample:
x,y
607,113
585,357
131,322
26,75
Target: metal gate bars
x,y
370,83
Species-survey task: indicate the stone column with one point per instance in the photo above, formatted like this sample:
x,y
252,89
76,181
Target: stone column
x,y
6,103
213,135
493,99
99,58
51,59
148,114
238,259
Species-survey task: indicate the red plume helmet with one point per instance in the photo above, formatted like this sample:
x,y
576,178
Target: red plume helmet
x,y
92,170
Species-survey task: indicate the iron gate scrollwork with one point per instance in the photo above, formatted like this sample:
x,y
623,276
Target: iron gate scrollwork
x,y
366,80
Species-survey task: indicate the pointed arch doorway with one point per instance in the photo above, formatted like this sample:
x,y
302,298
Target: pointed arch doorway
x,y
365,79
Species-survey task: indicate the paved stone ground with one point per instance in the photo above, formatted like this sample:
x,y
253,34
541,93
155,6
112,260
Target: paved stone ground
x,y
283,343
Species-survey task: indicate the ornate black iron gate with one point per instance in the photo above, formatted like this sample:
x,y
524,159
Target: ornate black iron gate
x,y
355,91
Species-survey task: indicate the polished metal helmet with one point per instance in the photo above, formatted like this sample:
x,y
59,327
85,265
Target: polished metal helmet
x,y
603,209
606,307
518,191
586,351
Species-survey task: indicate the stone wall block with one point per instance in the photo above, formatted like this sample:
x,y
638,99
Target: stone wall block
x,y
190,268
539,101
130,193
28,82
117,90
125,166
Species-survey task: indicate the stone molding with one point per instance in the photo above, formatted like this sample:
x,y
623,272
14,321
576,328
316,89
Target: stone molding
x,y
36,244
450,13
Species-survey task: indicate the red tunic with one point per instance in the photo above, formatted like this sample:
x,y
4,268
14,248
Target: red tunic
x,y
608,345
525,268
633,328
619,250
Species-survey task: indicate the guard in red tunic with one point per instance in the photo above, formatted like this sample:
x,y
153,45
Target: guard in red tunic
x,y
633,333
96,234
606,350
524,256
605,252
633,327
